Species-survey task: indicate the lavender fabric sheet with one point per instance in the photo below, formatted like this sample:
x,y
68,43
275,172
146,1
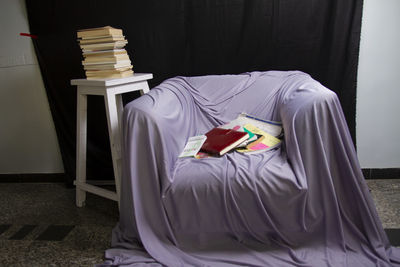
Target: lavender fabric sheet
x,y
303,204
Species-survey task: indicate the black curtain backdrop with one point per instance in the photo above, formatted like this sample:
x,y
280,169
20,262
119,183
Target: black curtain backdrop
x,y
192,37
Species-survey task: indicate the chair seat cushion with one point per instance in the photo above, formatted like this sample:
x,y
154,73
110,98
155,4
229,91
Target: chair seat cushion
x,y
240,192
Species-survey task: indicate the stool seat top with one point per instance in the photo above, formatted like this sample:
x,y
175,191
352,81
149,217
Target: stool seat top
x,y
137,77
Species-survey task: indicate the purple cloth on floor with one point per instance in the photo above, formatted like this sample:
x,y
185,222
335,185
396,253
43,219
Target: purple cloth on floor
x,y
303,204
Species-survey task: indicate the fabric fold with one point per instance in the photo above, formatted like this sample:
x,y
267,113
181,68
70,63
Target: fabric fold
x,y
302,204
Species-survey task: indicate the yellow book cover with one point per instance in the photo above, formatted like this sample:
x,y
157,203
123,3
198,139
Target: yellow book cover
x,y
265,143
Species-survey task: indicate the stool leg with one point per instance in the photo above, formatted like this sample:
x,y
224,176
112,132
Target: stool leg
x,y
120,107
145,89
81,149
115,137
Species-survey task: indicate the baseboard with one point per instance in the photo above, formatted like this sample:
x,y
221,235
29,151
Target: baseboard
x,y
388,173
33,178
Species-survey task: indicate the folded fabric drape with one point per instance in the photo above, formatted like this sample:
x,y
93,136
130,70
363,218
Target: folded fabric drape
x,y
303,204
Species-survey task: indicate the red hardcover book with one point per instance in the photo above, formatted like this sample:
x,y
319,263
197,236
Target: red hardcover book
x,y
219,141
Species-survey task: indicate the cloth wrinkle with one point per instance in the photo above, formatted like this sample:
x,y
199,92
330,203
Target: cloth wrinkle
x,y
304,203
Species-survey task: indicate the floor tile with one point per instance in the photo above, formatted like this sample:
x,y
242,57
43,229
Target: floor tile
x,y
41,226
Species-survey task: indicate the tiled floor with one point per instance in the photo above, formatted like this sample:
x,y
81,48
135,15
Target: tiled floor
x,y
82,233
40,225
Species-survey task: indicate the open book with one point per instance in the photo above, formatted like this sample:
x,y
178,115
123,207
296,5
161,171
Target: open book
x,y
264,142
274,128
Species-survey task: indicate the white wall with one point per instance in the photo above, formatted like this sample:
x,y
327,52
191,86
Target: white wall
x,y
28,142
378,90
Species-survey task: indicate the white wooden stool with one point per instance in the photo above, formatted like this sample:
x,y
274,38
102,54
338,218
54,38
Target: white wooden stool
x,y
112,90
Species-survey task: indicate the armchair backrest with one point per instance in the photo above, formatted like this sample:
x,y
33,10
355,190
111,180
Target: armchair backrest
x,y
181,107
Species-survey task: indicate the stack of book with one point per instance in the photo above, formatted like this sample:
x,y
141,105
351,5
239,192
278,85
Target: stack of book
x,y
104,53
245,134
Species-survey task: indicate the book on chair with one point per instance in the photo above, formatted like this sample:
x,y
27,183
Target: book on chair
x,y
219,141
